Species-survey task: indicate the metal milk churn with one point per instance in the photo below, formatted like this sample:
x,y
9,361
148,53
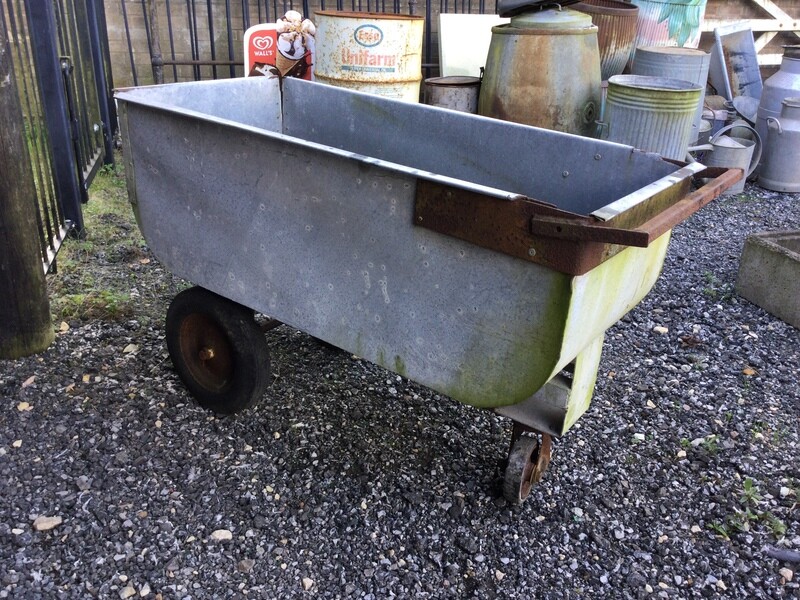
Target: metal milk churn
x,y
543,69
783,84
780,169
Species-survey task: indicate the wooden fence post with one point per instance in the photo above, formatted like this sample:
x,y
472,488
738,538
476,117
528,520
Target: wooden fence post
x,y
25,325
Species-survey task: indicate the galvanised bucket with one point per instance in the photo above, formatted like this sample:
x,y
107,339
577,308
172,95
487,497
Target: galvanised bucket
x,y
686,64
651,113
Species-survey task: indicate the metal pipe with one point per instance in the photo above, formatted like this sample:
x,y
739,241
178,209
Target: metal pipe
x,y
229,24
171,42
191,15
101,78
154,40
210,15
205,63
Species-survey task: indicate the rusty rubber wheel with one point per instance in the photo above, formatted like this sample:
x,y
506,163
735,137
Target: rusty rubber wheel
x,y
519,475
218,350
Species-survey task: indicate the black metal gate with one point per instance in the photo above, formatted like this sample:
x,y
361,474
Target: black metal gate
x,y
202,39
62,68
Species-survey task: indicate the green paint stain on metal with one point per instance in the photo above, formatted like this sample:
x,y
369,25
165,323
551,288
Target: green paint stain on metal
x,y
532,351
381,358
399,366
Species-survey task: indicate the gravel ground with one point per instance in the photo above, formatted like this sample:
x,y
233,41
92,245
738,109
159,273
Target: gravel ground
x,y
682,480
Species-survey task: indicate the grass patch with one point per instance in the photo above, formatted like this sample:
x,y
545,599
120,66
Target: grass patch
x,y
103,273
715,289
747,515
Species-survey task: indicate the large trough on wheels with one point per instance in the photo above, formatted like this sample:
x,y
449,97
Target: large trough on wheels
x,y
481,258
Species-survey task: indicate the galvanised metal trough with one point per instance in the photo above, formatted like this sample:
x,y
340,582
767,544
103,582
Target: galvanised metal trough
x,y
481,258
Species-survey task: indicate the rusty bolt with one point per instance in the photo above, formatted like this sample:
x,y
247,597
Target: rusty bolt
x,y
206,354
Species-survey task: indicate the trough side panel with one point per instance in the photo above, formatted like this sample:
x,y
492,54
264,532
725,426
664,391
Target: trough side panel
x,y
575,173
254,101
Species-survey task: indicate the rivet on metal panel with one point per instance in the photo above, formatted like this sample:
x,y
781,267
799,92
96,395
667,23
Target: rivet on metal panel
x,y
598,156
565,173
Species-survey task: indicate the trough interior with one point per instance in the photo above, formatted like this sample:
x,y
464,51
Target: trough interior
x,y
575,173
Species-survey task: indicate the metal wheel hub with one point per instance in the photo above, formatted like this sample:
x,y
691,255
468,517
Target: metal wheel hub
x,y
208,352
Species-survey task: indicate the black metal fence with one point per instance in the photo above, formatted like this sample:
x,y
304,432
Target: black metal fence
x,y
62,71
183,40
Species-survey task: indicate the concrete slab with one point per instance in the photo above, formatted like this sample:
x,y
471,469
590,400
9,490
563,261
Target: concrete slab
x,y
769,273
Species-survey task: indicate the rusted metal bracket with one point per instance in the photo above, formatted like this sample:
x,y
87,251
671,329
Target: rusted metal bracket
x,y
504,225
542,233
581,231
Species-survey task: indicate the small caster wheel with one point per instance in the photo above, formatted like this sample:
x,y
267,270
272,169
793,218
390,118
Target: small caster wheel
x,y
527,462
218,350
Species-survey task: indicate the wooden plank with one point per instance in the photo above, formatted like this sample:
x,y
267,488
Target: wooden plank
x,y
754,24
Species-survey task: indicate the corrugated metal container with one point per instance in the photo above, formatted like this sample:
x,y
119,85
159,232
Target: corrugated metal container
x,y
456,92
651,113
375,53
616,23
686,64
669,23
543,69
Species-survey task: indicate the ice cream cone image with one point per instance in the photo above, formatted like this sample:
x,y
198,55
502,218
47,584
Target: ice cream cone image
x,y
285,64
295,38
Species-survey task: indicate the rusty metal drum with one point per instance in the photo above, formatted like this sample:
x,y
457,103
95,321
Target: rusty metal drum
x,y
616,30
456,92
375,53
543,69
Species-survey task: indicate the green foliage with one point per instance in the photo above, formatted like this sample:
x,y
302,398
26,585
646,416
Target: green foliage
x,y
715,289
747,516
91,281
711,444
750,495
106,305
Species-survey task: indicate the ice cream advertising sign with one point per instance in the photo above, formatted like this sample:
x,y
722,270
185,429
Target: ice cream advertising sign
x,y
285,48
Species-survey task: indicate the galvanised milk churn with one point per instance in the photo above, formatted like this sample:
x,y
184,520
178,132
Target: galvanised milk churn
x,y
543,69
780,169
783,84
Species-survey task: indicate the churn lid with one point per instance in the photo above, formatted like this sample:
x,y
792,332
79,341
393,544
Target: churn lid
x,y
552,19
791,51
453,81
